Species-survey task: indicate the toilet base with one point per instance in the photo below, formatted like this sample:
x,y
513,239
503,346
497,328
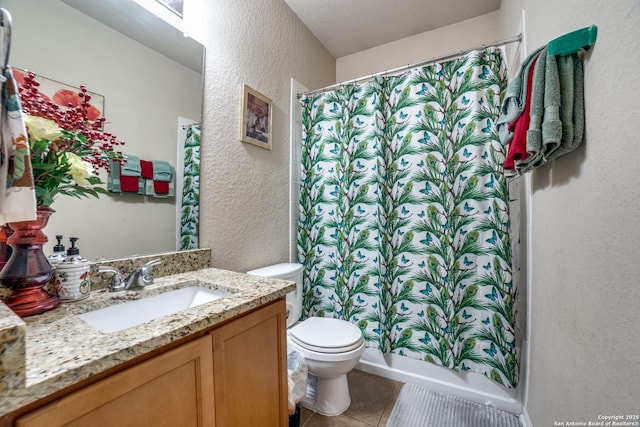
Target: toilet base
x,y
331,395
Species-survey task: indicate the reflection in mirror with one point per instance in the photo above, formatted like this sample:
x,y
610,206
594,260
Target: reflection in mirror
x,y
149,98
176,6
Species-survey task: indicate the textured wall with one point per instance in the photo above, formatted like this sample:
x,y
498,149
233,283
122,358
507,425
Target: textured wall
x,y
586,227
443,41
245,189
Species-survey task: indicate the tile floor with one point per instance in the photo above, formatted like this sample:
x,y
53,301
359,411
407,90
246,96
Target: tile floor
x,y
372,399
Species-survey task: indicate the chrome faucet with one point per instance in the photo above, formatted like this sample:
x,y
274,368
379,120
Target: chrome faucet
x,y
138,279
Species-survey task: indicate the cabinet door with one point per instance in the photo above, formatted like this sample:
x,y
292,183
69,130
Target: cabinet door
x,y
250,369
173,389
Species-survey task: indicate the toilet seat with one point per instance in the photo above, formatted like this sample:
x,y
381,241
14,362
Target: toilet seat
x,y
326,335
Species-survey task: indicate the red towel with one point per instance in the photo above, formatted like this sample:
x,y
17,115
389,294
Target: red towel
x,y
128,184
518,145
146,169
161,187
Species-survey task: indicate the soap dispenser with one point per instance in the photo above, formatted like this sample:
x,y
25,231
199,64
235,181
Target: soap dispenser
x,y
59,252
72,275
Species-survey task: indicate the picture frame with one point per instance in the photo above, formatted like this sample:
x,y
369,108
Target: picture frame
x,y
257,113
62,93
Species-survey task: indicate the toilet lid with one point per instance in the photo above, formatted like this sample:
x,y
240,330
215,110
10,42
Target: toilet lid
x,y
326,335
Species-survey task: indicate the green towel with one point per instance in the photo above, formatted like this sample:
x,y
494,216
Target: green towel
x,y
113,179
162,171
132,166
557,110
534,134
150,191
551,124
515,99
571,74
141,189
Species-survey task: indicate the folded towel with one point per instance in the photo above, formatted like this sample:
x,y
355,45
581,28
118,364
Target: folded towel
x,y
146,169
567,94
551,124
572,104
141,188
162,171
518,145
516,98
150,188
131,167
161,187
534,134
129,184
113,179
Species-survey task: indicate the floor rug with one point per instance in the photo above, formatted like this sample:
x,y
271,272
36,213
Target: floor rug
x,y
419,407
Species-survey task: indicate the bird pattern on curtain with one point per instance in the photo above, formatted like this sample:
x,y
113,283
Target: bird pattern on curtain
x,y
404,222
190,198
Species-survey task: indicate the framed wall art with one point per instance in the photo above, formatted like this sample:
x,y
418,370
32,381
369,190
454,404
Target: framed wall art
x,y
257,111
63,94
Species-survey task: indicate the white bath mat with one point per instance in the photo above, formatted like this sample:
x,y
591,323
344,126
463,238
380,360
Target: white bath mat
x,y
419,407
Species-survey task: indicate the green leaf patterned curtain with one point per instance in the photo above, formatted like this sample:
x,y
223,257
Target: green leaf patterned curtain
x,y
190,198
404,222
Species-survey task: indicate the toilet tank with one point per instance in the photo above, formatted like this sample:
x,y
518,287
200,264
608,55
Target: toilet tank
x,y
286,271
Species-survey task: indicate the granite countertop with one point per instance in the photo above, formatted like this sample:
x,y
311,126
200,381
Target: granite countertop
x,y
62,350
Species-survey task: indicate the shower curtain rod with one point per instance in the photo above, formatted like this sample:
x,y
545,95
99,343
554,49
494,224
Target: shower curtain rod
x,y
515,39
190,125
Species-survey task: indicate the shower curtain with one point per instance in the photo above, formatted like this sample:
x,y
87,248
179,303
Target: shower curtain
x,y
190,197
404,222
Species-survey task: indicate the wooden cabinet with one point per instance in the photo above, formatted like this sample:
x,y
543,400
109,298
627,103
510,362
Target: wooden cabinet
x,y
233,376
173,389
250,369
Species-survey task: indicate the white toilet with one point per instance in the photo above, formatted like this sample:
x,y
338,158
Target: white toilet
x,y
331,347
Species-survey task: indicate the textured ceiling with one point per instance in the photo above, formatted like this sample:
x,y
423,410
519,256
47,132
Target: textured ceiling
x,y
349,26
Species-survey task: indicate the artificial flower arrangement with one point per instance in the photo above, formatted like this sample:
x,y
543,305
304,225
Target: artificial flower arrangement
x,y
68,145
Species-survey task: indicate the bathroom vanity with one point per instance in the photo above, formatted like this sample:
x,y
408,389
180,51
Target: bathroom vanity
x,y
220,363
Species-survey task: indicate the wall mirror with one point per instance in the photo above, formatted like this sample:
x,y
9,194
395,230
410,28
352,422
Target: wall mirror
x,y
151,78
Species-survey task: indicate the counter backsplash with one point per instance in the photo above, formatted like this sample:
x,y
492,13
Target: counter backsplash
x,y
171,263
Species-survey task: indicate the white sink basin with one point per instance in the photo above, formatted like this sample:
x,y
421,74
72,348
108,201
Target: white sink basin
x,y
122,316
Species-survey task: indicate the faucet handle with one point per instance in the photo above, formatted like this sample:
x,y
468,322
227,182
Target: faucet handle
x,y
117,282
152,263
146,278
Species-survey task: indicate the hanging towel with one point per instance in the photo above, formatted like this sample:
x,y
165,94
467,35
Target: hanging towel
x,y
131,167
141,189
572,104
551,124
17,192
150,188
146,169
128,184
515,98
113,179
534,134
565,71
518,145
161,171
161,187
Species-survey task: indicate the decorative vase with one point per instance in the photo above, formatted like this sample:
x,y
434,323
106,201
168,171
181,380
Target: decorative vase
x,y
27,271
5,249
